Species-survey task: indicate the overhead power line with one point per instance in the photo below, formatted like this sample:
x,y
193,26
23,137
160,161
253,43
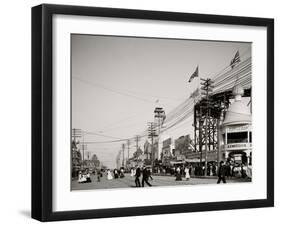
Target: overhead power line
x,y
128,93
112,90
185,110
102,135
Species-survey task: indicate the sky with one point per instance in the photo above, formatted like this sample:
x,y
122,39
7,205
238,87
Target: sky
x,y
118,81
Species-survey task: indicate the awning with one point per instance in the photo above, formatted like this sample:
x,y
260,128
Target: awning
x,y
194,160
177,162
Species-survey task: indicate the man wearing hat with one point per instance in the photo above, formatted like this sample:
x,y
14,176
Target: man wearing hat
x,y
221,173
137,175
145,176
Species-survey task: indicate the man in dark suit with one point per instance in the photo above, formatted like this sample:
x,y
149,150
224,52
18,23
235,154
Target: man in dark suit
x,y
145,176
137,175
221,173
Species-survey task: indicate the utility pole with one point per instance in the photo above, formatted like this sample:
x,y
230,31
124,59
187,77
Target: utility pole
x,y
84,148
151,135
76,133
118,159
128,146
206,91
218,141
123,154
137,139
83,151
201,121
219,135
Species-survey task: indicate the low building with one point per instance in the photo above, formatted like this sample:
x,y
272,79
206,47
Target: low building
x,y
182,146
166,148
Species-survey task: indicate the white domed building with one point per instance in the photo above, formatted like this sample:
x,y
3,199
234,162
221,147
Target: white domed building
x,y
237,130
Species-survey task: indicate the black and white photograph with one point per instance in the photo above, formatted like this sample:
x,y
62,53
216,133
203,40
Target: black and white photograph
x,y
150,112
144,112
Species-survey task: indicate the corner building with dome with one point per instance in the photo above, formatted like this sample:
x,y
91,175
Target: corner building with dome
x,y
236,130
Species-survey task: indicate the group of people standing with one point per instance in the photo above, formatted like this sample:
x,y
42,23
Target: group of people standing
x,y
229,170
222,172
84,177
180,170
199,169
116,174
238,170
145,173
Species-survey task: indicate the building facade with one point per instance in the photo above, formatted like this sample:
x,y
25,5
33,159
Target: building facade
x,y
236,130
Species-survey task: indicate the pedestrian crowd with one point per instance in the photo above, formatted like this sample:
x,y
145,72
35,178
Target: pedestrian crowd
x,y
233,169
84,176
142,175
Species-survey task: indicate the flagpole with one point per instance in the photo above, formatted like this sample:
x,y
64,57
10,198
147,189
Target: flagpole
x,y
198,85
199,97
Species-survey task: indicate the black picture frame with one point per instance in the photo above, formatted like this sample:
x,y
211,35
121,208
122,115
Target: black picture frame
x,y
42,111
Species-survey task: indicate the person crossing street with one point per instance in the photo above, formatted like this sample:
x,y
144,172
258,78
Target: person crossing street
x,y
145,176
137,175
221,173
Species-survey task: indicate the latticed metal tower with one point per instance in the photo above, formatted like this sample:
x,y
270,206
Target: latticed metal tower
x,y
207,114
159,115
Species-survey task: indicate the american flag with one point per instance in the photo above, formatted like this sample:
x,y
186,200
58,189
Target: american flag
x,y
235,60
195,74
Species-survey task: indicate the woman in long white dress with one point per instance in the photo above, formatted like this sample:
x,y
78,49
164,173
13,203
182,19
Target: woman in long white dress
x,y
109,176
187,175
81,178
133,172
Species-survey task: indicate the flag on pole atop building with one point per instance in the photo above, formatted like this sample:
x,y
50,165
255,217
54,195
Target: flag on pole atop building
x,y
195,74
235,60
